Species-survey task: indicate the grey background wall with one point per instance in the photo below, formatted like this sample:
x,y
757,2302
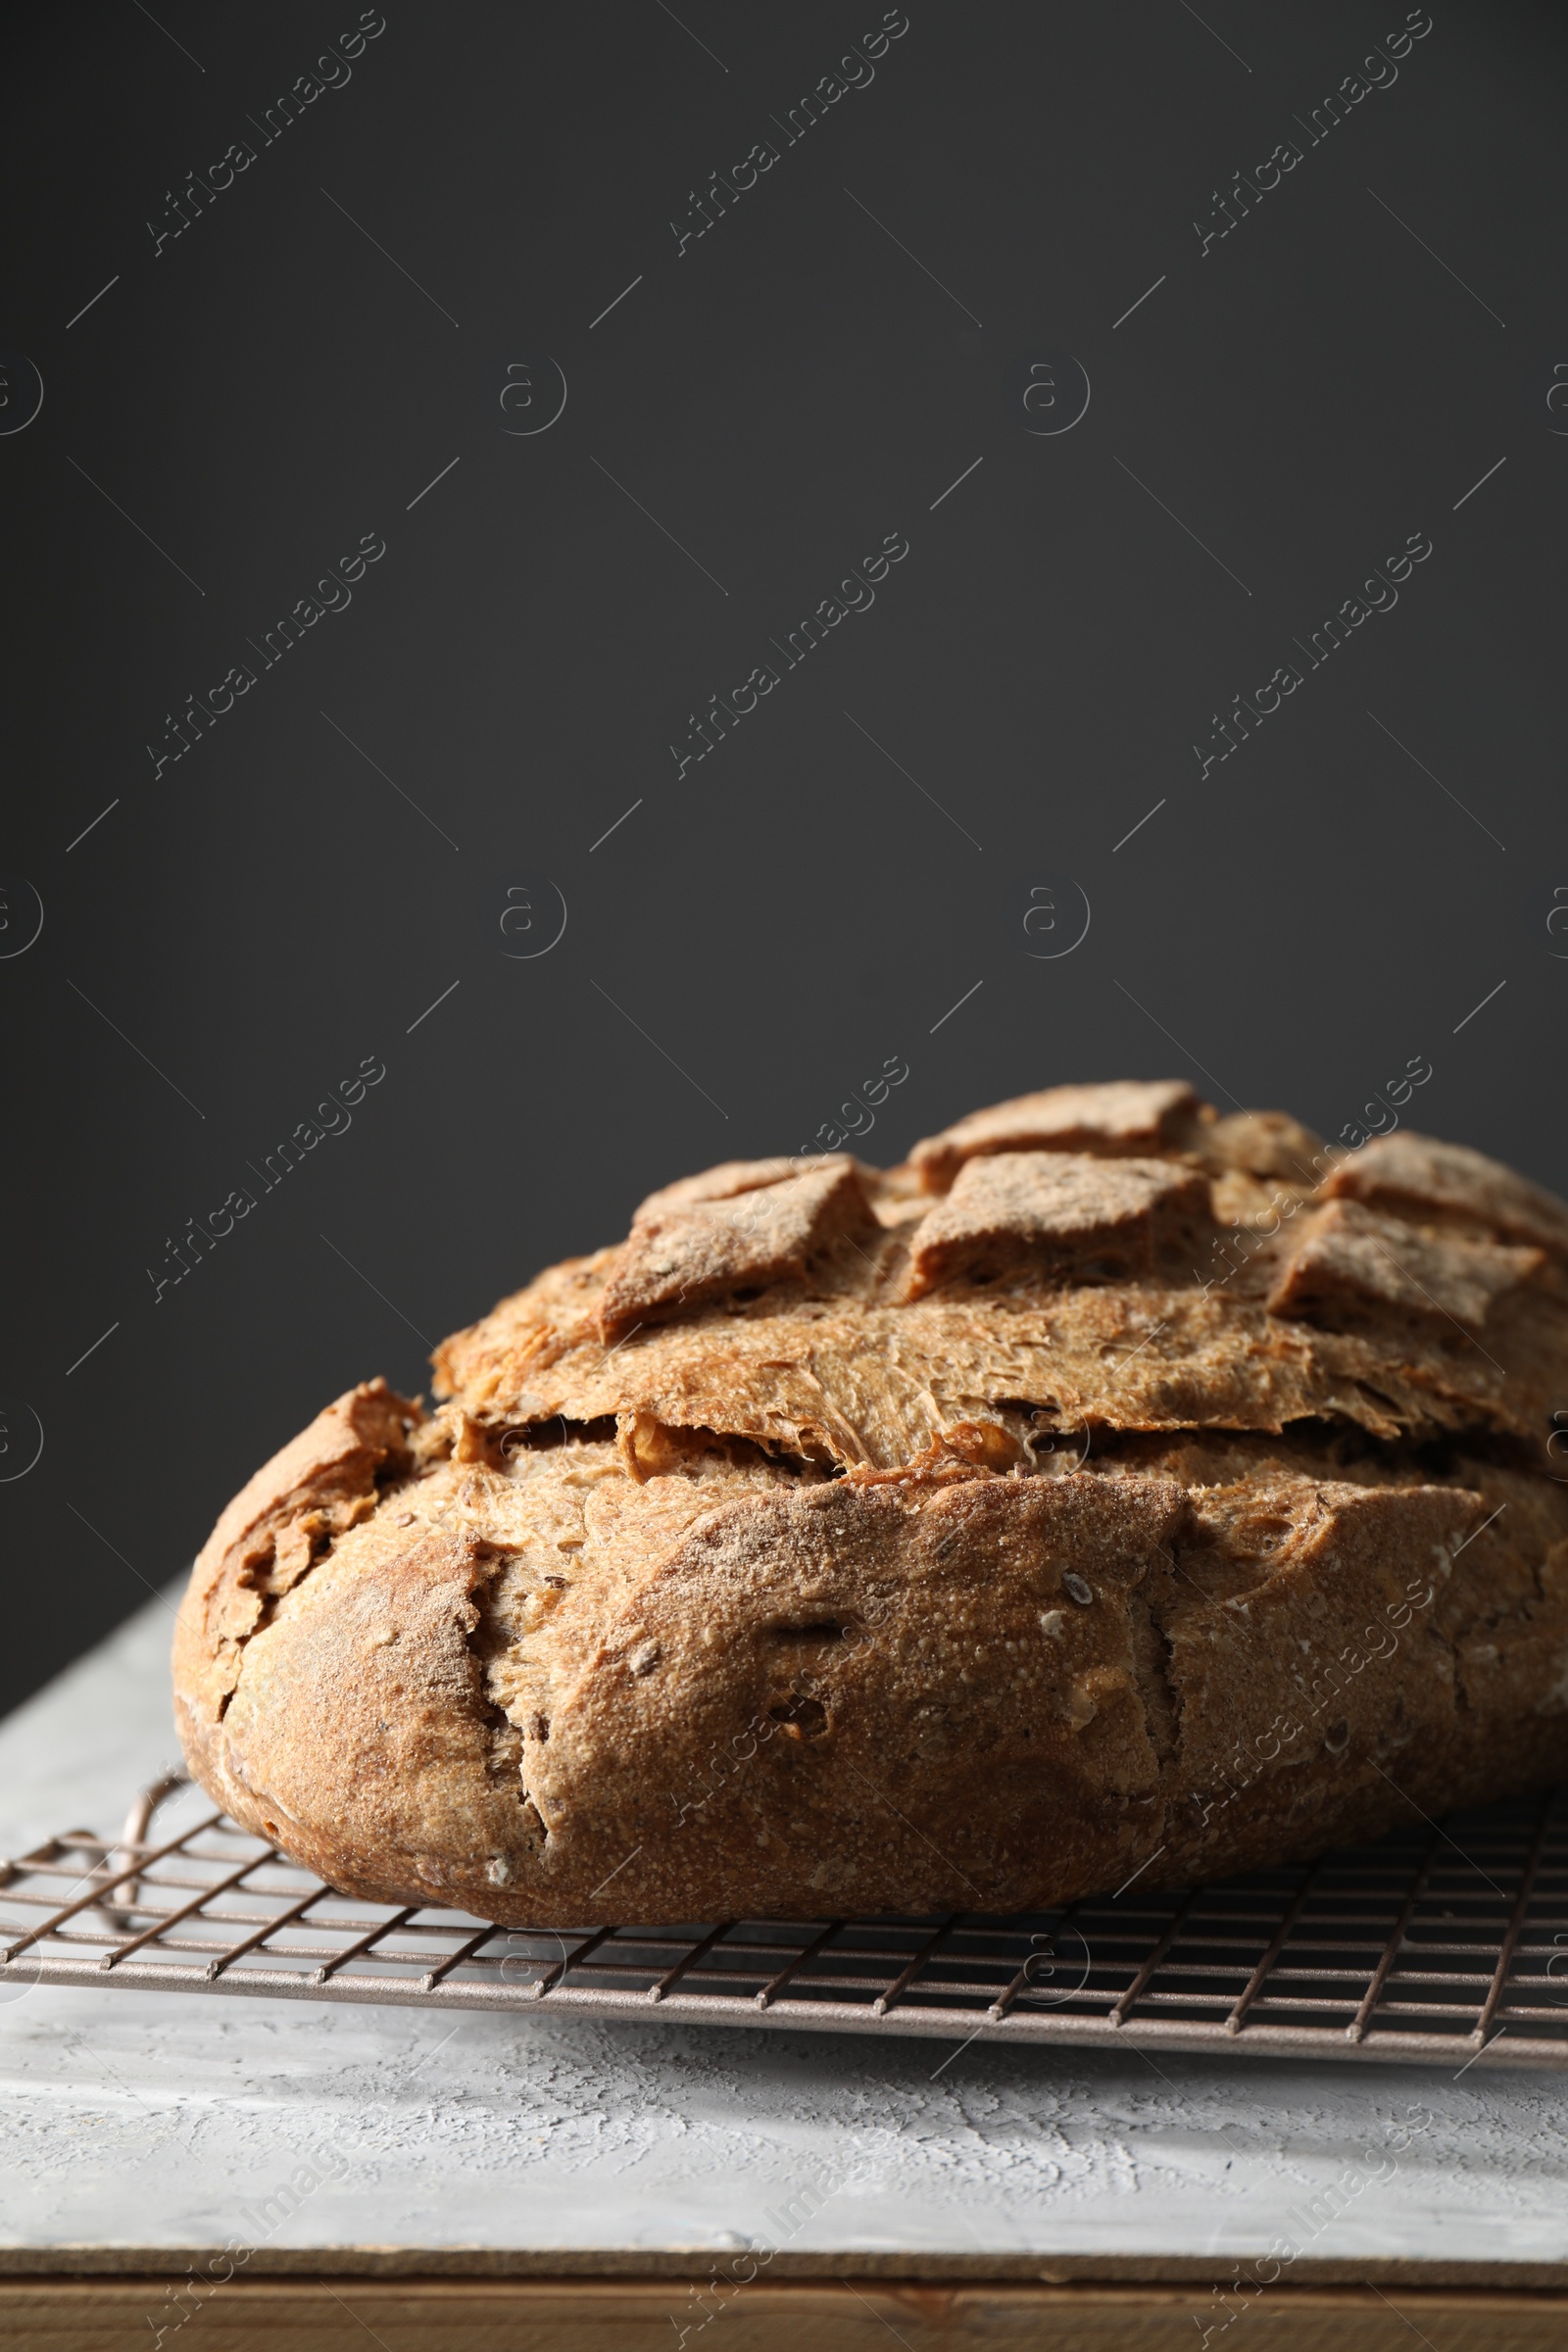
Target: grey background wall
x,y
630,361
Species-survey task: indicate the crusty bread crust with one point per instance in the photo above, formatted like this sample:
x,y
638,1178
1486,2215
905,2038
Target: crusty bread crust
x,y
1096,1496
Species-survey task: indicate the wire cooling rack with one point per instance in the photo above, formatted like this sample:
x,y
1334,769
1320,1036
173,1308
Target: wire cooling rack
x,y
1449,1944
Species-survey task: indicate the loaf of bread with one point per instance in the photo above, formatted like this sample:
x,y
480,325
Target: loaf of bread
x,y
1113,1488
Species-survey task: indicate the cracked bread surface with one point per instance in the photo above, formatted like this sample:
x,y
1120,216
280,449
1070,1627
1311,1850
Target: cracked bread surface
x,y
1107,1491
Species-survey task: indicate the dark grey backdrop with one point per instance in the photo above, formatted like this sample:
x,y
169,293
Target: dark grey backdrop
x,y
904,824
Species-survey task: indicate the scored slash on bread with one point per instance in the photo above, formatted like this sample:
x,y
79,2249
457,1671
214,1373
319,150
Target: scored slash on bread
x,y
1096,1495
1350,1256
1129,1116
743,1225
1411,1176
1057,1217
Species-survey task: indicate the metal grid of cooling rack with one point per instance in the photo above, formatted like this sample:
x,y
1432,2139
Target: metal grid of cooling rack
x,y
1425,1947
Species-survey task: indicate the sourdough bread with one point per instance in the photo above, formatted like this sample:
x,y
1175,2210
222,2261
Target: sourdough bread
x,y
1113,1488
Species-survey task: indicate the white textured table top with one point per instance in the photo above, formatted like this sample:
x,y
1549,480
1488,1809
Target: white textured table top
x,y
150,2122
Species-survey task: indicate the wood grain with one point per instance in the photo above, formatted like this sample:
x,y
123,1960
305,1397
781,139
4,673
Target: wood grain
x,y
333,2315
